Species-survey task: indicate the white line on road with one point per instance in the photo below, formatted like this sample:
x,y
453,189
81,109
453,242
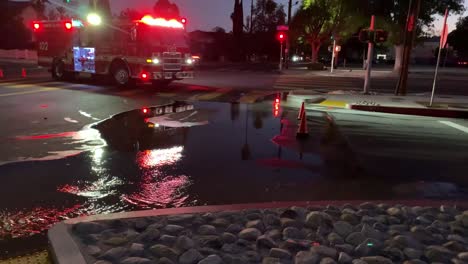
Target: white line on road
x,y
456,126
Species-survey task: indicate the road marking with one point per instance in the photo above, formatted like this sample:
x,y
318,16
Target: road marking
x,y
331,103
28,92
456,126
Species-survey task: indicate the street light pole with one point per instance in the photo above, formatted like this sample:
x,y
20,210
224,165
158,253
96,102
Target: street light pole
x,y
251,15
370,57
288,42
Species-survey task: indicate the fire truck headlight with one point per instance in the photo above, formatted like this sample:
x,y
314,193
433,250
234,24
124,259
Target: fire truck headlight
x,y
156,61
189,61
94,19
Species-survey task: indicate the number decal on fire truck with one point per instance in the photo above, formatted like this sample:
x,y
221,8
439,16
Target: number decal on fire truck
x,y
44,46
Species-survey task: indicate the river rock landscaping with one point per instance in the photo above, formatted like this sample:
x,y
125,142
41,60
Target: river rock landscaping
x,y
367,233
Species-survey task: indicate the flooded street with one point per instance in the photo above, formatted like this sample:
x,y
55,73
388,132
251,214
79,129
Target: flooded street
x,y
182,154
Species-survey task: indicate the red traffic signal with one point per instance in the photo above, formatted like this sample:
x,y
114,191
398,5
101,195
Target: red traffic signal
x,y
281,36
380,36
183,20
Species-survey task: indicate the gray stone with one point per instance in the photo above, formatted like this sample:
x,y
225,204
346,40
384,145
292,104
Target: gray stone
x,y
140,224
454,246
438,254
412,253
211,259
234,228
349,211
463,256
316,219
102,262
458,261
136,260
228,237
334,239
402,242
292,233
185,218
457,238
394,211
421,234
93,250
89,228
168,240
343,228
358,261
288,222
232,248
368,220
220,222
253,216
271,220
376,260
355,238
325,251
207,230
165,261
280,253
274,234
350,218
423,220
250,234
266,241
209,241
414,261
114,253
368,231
362,250
258,224
149,235
347,248
344,258
173,229
306,257
252,256
206,251
116,241
136,249
464,219
393,253
184,243
367,206
392,220
190,256
270,260
159,250
327,260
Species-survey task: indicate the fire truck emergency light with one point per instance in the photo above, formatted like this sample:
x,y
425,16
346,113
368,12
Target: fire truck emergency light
x,y
37,26
149,20
94,19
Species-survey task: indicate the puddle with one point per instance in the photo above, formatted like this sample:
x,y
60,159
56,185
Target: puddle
x,y
182,154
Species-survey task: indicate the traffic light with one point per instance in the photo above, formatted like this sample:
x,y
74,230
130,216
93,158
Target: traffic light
x,y
380,36
281,36
366,35
66,1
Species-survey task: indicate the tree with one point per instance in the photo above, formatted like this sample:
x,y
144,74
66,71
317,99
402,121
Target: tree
x,y
459,37
318,20
102,7
62,12
394,13
237,29
166,9
39,7
267,15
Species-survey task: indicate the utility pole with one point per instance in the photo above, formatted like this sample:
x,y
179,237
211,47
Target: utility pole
x,y
410,34
251,15
332,67
370,57
288,42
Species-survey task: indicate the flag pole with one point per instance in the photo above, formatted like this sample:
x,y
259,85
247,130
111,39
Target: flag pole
x,y
441,44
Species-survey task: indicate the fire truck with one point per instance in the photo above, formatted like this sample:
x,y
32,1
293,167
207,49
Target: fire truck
x,y
150,50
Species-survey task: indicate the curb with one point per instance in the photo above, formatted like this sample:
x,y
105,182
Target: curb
x,y
447,113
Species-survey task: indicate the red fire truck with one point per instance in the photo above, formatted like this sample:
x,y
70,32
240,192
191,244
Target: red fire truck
x,y
148,50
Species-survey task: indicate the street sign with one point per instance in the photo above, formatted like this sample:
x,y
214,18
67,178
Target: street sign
x,y
282,28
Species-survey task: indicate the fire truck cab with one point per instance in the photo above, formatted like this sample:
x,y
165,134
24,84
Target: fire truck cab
x,y
148,50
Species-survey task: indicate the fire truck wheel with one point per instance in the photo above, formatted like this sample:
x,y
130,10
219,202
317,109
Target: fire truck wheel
x,y
58,70
121,75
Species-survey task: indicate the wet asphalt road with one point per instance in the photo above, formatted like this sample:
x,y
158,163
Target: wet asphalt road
x,y
63,155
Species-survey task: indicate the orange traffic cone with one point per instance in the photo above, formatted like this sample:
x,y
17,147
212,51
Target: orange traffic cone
x,y
1,74
301,111
303,131
23,72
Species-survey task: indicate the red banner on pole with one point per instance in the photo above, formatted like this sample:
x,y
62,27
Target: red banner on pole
x,y
444,34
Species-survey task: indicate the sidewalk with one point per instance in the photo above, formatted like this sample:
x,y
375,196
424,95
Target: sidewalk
x,y
444,106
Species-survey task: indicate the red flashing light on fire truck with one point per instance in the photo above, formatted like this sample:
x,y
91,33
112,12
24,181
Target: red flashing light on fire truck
x,y
151,21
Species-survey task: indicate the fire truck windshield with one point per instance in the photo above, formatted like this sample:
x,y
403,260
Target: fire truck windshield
x,y
160,36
